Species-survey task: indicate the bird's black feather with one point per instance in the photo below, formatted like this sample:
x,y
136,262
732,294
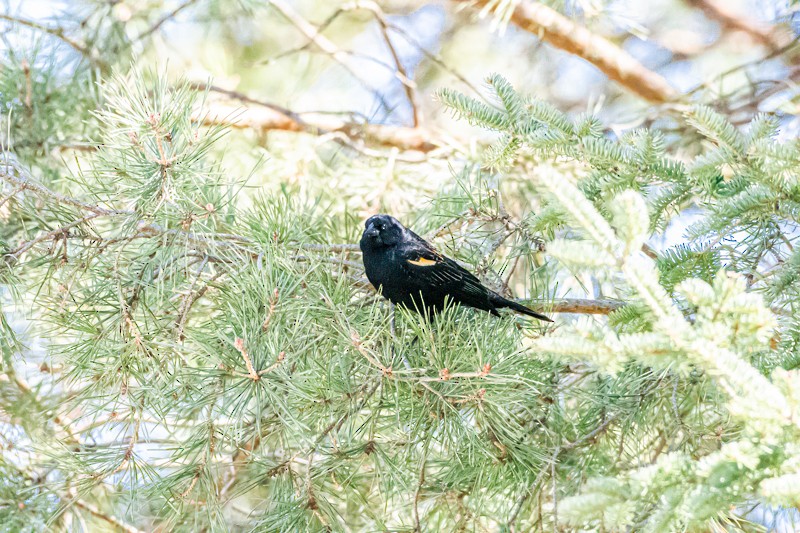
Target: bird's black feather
x,y
412,273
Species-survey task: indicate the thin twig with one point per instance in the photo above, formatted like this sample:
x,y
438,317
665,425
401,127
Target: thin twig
x,y
251,372
131,445
408,85
58,33
63,230
273,302
555,496
11,195
326,45
530,490
192,297
162,20
418,493
236,95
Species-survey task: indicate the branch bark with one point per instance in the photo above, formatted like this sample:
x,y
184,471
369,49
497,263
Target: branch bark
x,y
578,305
561,32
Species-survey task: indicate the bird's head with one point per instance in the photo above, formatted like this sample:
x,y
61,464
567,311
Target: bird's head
x,y
381,231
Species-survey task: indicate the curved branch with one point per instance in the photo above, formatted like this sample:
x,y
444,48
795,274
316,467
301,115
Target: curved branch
x,y
561,32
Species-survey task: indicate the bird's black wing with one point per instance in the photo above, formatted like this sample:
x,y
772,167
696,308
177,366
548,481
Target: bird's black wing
x,y
435,271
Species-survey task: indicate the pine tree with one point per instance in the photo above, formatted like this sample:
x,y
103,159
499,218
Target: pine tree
x,y
182,352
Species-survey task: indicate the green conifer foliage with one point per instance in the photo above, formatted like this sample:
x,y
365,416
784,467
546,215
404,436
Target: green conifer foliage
x,y
183,352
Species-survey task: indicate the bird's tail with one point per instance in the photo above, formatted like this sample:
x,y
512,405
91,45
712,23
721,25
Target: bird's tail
x,y
500,302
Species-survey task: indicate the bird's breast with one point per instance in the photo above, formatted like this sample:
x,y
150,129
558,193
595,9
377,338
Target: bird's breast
x,y
379,266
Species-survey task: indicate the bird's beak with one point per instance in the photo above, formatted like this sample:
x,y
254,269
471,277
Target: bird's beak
x,y
371,232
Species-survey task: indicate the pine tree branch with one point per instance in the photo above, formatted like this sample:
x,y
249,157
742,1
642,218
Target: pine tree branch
x,y
773,37
12,172
561,32
578,305
263,120
114,521
63,230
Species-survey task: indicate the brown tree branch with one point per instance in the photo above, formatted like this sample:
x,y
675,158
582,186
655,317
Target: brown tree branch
x,y
577,305
408,84
561,32
266,119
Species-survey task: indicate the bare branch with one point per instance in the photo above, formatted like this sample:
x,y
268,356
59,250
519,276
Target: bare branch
x,y
408,84
326,45
63,230
578,305
561,32
318,123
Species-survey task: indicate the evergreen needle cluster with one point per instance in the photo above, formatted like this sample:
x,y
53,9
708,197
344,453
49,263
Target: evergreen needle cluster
x,y
182,354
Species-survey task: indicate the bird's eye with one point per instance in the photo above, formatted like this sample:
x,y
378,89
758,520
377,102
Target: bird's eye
x,y
382,227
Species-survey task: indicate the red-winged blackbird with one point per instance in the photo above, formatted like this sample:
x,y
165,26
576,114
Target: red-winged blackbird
x,y
410,272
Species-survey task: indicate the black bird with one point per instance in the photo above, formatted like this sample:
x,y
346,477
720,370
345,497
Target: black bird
x,y
410,272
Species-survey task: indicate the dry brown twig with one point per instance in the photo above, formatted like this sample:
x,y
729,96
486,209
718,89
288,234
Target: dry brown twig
x,y
251,372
